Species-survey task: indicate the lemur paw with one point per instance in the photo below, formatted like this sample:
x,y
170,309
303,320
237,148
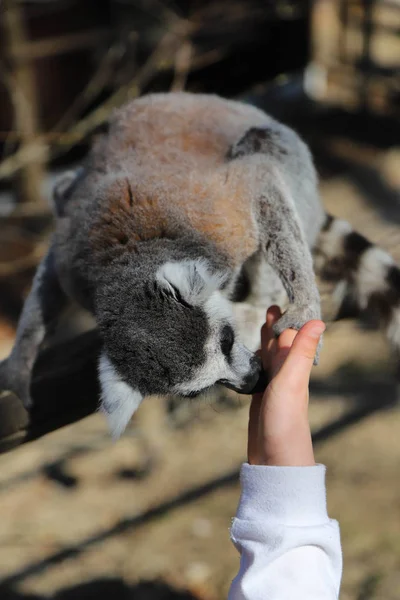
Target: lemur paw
x,y
294,318
14,380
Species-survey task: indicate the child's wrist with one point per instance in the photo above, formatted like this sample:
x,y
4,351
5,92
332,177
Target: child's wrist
x,y
292,451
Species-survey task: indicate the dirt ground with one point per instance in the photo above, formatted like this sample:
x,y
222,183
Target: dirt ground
x,y
84,518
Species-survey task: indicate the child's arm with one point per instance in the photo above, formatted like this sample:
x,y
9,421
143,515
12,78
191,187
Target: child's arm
x,y
290,549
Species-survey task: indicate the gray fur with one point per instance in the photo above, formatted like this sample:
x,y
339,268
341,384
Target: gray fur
x,y
43,306
284,245
151,338
184,195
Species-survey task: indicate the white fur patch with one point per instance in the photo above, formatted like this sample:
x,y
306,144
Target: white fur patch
x,y
192,278
250,320
393,330
339,293
218,308
118,399
330,242
371,274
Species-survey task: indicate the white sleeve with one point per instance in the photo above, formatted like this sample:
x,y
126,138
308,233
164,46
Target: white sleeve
x,y
289,548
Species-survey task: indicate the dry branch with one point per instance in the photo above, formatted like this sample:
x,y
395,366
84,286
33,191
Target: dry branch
x,y
183,60
28,51
38,149
24,100
174,50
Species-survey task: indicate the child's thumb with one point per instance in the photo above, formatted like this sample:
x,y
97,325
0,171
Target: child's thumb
x,y
298,364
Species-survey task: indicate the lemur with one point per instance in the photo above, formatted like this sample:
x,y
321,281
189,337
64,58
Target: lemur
x,y
185,201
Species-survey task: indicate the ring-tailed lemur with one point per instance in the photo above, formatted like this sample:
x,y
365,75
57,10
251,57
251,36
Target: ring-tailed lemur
x,y
185,199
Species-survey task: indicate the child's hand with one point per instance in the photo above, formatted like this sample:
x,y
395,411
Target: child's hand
x,y
279,431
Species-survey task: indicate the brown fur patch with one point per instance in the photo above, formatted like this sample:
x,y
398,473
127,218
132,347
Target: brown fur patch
x,y
114,227
212,206
172,157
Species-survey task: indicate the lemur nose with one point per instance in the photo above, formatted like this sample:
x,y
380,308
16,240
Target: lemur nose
x,y
252,376
257,380
261,383
250,380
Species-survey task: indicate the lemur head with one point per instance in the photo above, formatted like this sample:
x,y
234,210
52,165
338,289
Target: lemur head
x,y
174,334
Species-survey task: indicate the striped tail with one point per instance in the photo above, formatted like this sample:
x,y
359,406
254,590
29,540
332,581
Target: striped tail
x,y
368,277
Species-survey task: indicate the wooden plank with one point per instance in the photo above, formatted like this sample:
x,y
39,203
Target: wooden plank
x,y
64,389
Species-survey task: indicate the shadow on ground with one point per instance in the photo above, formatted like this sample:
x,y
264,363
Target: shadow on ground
x,y
366,397
105,589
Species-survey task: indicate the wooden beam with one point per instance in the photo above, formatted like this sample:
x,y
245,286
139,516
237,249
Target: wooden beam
x,y
64,389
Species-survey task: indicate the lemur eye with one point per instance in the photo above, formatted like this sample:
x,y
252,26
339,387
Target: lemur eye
x,y
227,339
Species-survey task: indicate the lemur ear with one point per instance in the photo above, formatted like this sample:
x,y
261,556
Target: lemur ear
x,y
64,187
190,281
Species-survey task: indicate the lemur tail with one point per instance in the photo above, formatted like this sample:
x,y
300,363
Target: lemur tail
x,y
368,275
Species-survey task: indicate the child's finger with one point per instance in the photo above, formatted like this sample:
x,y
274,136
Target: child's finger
x,y
267,335
297,366
284,344
273,315
286,338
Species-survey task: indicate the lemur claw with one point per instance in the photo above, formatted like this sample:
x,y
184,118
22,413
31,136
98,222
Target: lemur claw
x,y
294,318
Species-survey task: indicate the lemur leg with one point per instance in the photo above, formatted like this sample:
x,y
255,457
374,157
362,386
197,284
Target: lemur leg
x,y
43,305
288,253
283,242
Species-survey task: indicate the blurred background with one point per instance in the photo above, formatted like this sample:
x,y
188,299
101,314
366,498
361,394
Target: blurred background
x,y
148,518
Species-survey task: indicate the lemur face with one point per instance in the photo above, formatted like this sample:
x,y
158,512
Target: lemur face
x,y
174,336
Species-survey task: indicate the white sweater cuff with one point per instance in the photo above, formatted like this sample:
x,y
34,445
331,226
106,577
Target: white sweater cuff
x,y
287,495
